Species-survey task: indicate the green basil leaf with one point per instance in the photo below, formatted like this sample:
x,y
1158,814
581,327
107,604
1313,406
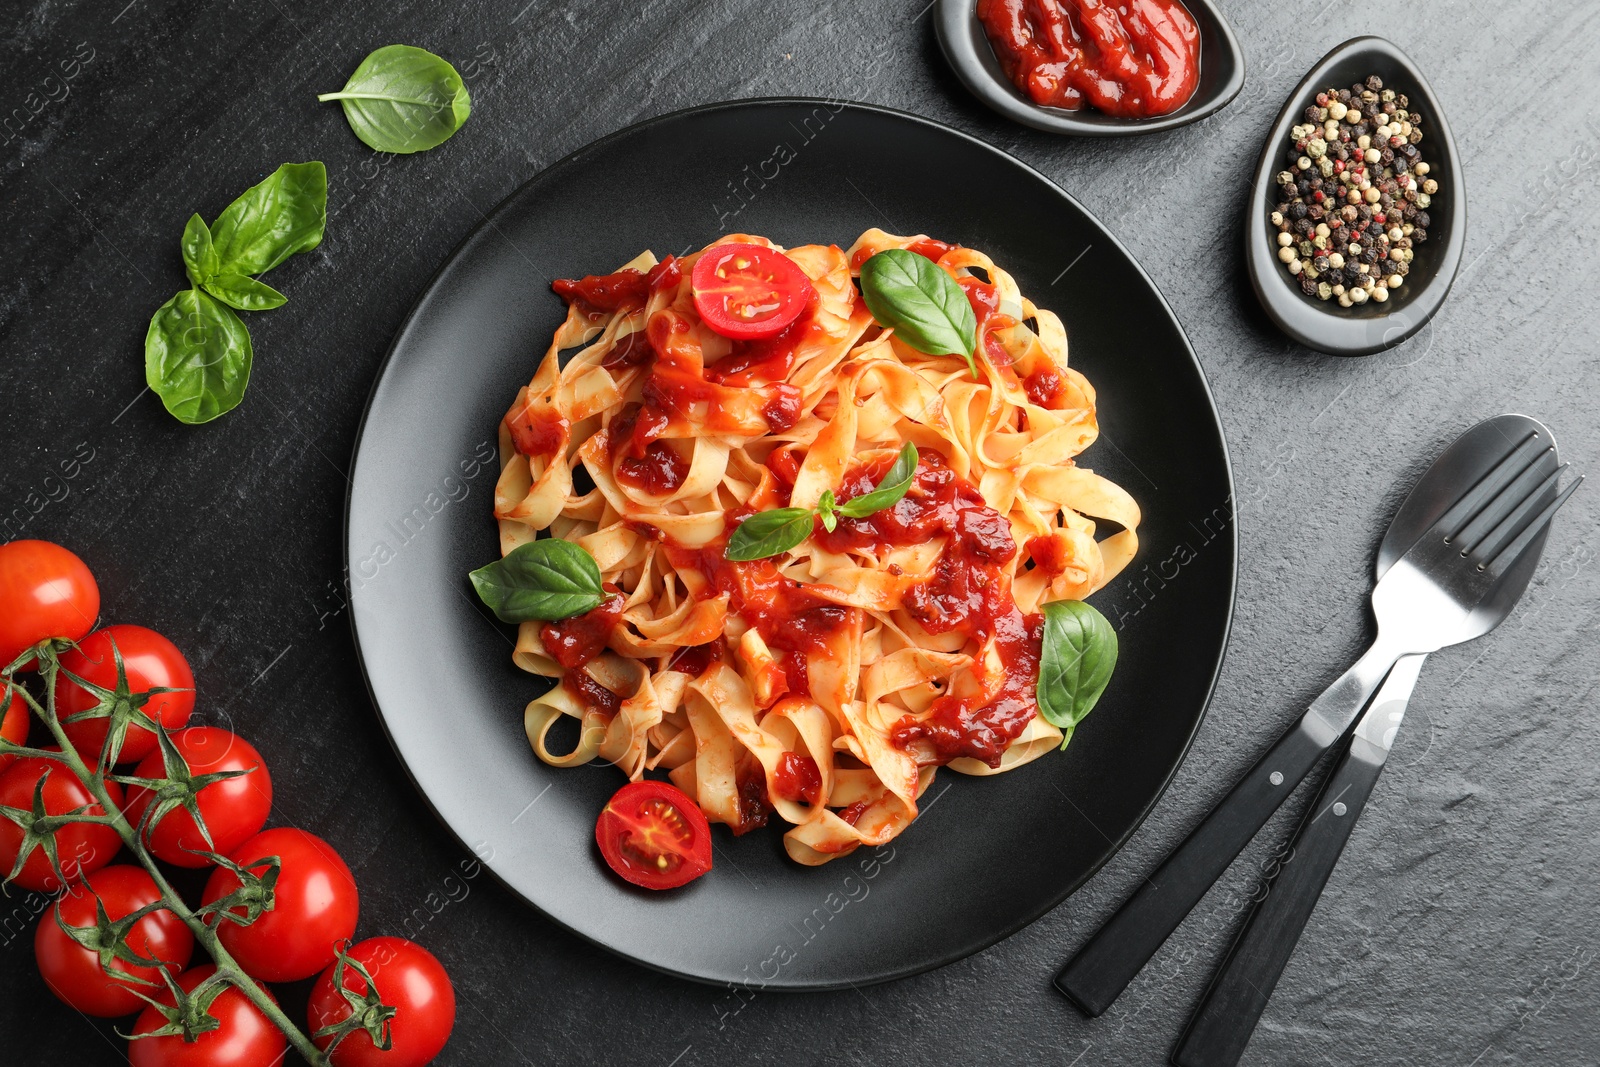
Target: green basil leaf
x,y
197,357
827,512
1079,654
244,293
891,487
199,253
546,579
404,99
279,216
766,533
921,302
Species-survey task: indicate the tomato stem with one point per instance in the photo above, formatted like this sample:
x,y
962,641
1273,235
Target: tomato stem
x,y
94,781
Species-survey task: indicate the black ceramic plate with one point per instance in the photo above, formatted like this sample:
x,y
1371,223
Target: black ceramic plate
x,y
970,55
986,857
1369,327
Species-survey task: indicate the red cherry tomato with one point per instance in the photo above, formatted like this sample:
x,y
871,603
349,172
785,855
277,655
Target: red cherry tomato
x,y
246,1037
73,972
408,979
45,591
80,847
151,661
233,808
314,906
654,836
13,723
749,291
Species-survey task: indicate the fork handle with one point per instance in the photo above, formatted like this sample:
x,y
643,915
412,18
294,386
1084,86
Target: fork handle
x,y
1221,1027
1104,966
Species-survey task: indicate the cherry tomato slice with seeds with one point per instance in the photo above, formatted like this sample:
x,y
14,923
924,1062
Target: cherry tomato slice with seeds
x,y
748,291
654,836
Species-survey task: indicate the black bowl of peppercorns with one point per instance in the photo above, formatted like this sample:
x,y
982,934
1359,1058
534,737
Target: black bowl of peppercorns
x,y
1357,217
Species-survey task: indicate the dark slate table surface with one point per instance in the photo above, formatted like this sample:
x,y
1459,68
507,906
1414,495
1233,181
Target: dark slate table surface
x,y
1459,928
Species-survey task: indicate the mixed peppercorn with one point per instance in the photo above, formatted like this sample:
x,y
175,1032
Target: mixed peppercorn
x,y
1353,203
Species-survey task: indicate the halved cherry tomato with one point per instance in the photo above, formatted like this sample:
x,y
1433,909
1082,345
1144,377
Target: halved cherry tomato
x,y
408,979
73,971
13,722
749,291
243,1038
45,591
654,836
151,662
80,847
314,906
234,809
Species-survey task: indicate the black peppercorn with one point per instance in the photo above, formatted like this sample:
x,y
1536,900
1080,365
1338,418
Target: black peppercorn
x,y
1369,254
1422,219
1390,107
1374,82
1307,286
1315,212
1418,235
1303,227
1297,210
1344,96
1387,155
1311,114
1402,101
1304,186
1400,164
1292,156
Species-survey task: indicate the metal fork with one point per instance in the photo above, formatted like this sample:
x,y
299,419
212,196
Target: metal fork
x,y
1422,604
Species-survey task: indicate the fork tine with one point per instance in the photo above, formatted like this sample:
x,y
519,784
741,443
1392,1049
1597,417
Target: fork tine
x,y
1508,555
1488,528
1514,463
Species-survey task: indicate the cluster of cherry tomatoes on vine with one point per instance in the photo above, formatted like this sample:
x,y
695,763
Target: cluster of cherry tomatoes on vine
x,y
279,905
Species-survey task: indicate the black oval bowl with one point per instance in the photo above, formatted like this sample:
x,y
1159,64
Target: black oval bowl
x,y
1369,327
967,48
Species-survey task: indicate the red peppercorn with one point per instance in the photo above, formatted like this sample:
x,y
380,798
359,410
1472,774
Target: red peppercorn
x,y
1318,196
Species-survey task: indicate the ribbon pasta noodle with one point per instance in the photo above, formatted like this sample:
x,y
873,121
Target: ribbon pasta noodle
x,y
827,684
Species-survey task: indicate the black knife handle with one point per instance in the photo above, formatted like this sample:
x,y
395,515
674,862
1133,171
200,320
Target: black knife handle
x,y
1221,1027
1104,966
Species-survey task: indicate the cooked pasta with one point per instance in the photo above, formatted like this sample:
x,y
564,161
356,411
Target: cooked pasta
x,y
825,684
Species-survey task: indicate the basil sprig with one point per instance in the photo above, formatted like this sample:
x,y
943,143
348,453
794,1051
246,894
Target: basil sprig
x,y
197,357
197,352
921,302
542,580
404,99
891,487
768,533
1075,663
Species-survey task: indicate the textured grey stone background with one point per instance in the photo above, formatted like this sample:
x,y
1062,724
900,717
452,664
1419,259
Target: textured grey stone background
x,y
1459,930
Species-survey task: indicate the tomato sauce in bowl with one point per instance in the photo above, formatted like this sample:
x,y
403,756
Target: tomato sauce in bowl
x,y
1130,59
